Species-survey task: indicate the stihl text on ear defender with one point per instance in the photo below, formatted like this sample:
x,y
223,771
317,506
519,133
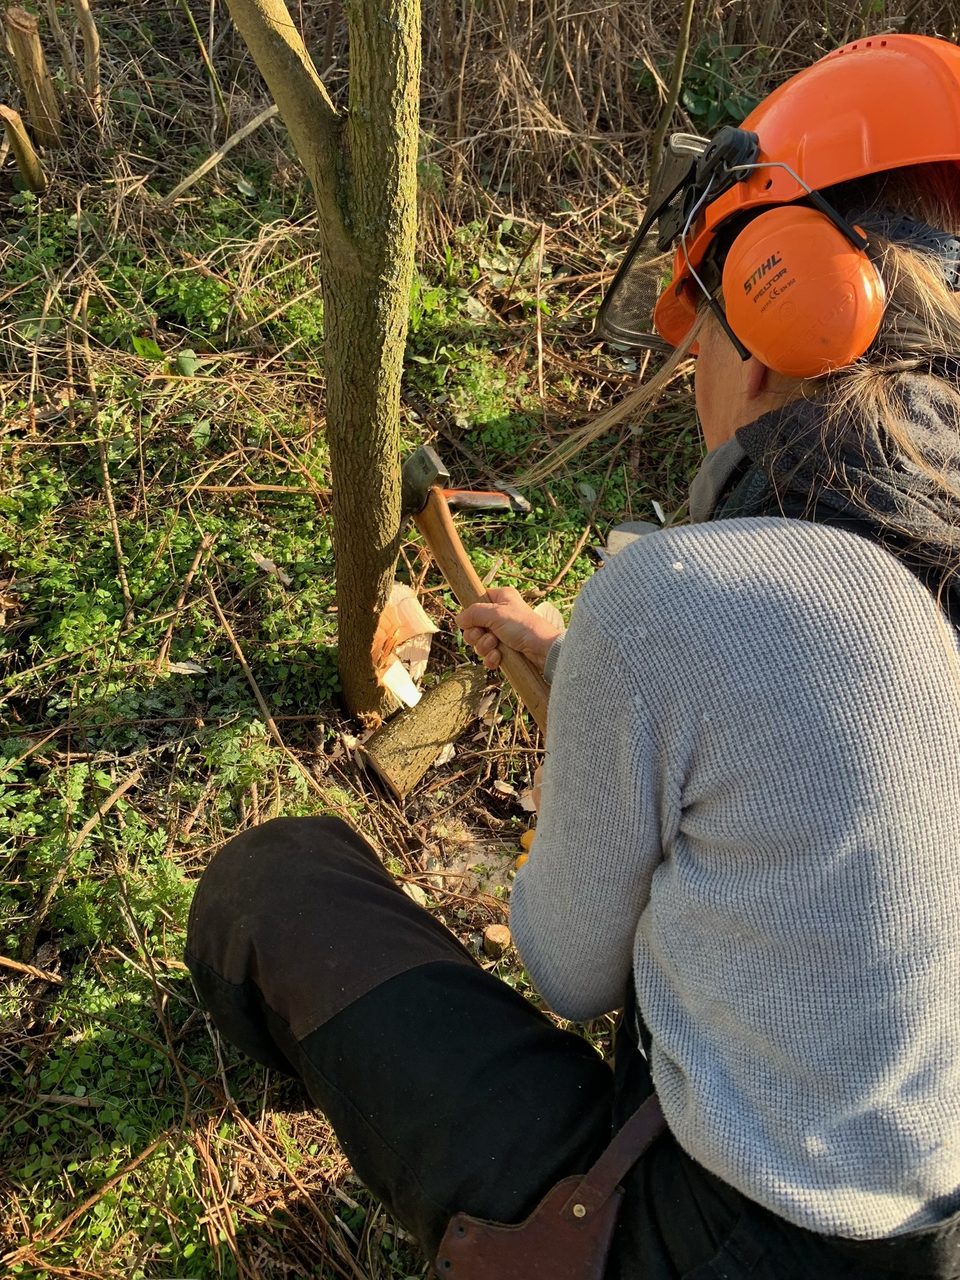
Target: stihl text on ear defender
x,y
799,294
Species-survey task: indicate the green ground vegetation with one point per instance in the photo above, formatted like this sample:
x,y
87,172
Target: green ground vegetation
x,y
165,572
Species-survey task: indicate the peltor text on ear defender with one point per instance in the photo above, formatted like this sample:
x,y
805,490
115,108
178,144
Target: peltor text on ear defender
x,y
799,295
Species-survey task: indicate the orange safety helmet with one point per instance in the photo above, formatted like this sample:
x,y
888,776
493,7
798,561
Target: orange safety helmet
x,y
799,289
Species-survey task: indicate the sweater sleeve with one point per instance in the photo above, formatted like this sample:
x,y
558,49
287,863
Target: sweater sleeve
x,y
577,901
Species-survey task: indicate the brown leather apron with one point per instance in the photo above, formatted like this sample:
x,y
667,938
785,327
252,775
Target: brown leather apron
x,y
568,1235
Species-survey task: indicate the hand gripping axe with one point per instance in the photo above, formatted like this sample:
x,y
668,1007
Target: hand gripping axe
x,y
428,501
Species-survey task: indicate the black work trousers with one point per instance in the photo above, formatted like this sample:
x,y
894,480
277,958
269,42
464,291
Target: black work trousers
x,y
447,1090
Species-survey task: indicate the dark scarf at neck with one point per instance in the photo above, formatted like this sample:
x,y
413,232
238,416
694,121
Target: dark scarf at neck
x,y
798,464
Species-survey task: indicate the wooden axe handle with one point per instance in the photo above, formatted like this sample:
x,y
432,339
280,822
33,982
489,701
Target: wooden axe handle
x,y
440,534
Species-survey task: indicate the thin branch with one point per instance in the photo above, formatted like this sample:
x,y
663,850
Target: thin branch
x,y
30,971
62,1227
676,82
64,44
212,161
104,463
206,542
265,711
61,873
91,59
205,58
307,110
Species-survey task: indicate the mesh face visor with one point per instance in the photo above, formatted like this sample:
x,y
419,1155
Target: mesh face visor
x,y
627,308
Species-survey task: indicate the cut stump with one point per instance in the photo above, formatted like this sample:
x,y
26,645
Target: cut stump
x,y
496,940
26,52
28,162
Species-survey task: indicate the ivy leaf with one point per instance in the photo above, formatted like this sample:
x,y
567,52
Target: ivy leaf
x,y
147,348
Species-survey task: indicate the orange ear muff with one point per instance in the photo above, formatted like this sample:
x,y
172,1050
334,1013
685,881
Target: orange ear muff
x,y
799,295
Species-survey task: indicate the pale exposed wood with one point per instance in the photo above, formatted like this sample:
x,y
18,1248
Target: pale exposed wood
x,y
28,162
43,107
91,59
403,749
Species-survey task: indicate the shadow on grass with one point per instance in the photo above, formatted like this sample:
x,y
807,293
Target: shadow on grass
x,y
134,1145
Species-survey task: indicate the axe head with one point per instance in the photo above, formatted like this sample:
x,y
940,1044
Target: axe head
x,y
419,473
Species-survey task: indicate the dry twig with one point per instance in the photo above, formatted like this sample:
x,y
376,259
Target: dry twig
x,y
212,161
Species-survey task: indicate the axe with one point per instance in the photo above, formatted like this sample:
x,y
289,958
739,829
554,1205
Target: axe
x,y
428,501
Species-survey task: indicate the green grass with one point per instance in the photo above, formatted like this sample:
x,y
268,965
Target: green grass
x,y
116,1066
161,441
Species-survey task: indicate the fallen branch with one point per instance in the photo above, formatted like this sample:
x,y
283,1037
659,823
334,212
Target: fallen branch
x,y
60,1230
81,309
265,711
29,971
213,160
206,542
60,875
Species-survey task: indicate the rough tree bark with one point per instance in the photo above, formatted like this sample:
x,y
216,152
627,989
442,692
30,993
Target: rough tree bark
x,y
362,164
30,65
28,162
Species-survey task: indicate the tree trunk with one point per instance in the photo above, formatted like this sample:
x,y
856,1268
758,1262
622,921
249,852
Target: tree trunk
x,y
26,51
363,170
366,311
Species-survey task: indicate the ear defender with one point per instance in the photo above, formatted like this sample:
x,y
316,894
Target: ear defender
x,y
799,294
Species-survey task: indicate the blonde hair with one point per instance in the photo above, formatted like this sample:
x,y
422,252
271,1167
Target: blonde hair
x,y
920,331
917,349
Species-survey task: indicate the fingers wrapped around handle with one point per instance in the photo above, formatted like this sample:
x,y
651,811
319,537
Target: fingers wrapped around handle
x,y
436,525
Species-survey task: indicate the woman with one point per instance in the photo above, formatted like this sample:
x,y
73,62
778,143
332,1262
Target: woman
x,y
749,838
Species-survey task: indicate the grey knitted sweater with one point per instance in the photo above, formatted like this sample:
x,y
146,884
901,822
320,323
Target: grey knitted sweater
x,y
752,800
